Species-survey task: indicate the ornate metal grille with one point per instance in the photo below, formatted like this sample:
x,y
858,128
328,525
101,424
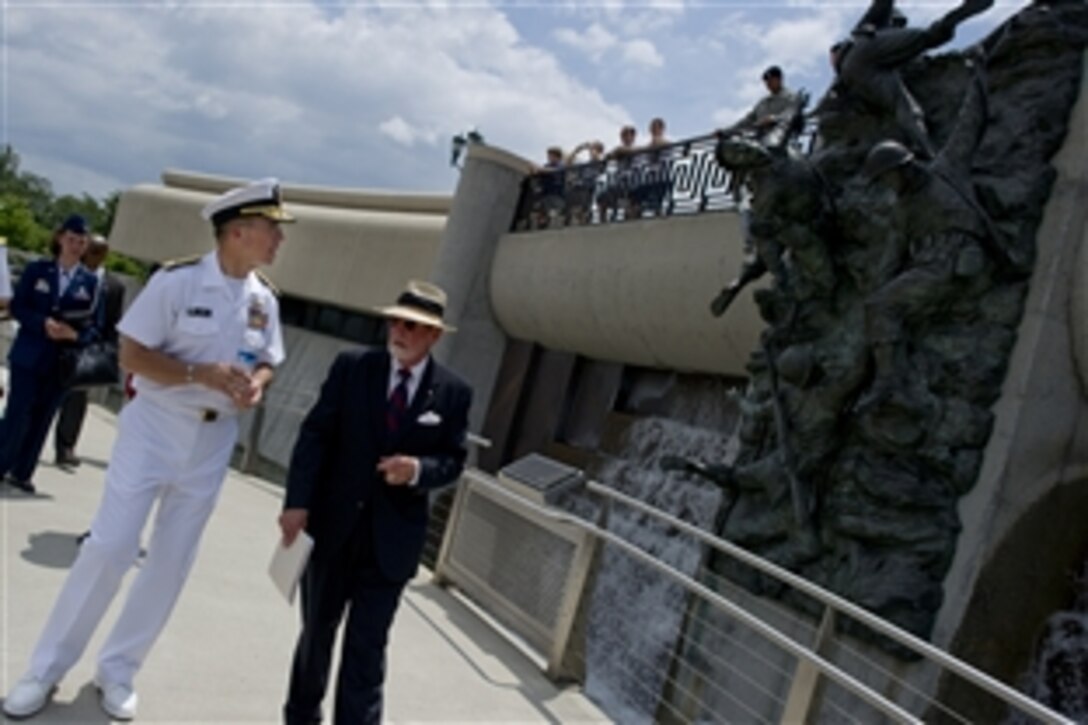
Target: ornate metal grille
x,y
680,178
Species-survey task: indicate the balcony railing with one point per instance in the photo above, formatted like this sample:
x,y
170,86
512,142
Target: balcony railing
x,y
680,178
729,656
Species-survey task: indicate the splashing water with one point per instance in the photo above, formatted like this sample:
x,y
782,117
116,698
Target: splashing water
x,y
1059,675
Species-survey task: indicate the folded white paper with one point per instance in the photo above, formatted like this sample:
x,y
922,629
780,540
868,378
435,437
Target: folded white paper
x,y
288,563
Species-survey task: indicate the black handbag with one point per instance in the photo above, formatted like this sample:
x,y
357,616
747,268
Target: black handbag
x,y
90,365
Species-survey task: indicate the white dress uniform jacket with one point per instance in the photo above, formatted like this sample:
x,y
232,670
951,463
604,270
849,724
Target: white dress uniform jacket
x,y
173,447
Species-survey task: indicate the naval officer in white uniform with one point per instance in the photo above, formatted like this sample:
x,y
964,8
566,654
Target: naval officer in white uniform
x,y
202,340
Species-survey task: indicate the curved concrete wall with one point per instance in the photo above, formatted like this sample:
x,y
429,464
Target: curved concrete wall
x,y
483,210
1040,437
353,249
320,195
636,292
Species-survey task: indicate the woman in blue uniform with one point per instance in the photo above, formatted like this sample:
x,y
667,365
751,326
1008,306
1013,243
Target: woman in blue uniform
x,y
54,304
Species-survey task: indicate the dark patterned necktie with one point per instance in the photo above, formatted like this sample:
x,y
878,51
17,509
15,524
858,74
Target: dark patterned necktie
x,y
398,402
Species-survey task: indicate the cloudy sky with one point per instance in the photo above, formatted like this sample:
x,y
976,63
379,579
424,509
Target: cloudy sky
x,y
101,95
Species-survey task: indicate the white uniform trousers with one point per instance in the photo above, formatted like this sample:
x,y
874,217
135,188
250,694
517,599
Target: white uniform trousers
x,y
168,456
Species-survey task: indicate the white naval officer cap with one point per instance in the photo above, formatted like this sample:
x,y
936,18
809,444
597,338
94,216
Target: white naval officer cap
x,y
259,198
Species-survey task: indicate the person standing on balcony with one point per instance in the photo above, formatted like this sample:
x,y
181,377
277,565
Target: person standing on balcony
x,y
594,151
550,189
770,119
202,339
582,181
617,192
74,406
655,174
388,427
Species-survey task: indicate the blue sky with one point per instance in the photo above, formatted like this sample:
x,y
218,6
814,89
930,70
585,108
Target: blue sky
x,y
99,96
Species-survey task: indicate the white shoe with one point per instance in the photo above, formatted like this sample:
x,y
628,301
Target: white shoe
x,y
119,701
28,697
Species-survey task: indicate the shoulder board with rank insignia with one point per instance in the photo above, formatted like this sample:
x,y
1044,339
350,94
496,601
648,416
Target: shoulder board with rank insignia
x,y
173,264
3,241
267,282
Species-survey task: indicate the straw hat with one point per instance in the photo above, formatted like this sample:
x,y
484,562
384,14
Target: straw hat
x,y
420,302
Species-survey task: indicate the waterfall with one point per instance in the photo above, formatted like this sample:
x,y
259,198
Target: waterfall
x,y
1059,675
636,614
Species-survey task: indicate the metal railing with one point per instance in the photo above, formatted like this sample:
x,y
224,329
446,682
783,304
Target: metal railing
x,y
679,178
659,181
779,666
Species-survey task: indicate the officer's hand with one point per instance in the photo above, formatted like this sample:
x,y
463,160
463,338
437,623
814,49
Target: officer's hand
x,y
250,396
292,521
231,380
398,470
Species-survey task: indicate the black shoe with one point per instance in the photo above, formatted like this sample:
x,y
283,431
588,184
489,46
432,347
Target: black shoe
x,y
82,537
67,459
25,486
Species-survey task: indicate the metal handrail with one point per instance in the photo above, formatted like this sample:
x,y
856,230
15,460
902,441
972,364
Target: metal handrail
x,y
827,668
677,178
840,605
835,602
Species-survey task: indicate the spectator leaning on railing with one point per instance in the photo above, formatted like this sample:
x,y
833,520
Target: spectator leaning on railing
x,y
616,193
651,193
549,188
593,149
582,179
771,117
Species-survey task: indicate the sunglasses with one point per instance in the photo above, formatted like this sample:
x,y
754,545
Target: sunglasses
x,y
409,325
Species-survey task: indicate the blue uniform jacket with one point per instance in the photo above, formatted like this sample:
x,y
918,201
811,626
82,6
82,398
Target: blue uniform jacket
x,y
36,298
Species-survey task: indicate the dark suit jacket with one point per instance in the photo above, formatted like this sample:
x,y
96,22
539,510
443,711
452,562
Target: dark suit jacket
x,y
113,306
36,298
333,466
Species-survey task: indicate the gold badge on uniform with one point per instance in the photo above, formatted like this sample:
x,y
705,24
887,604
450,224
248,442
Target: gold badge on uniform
x,y
42,286
257,317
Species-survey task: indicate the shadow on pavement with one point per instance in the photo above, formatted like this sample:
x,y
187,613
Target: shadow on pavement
x,y
55,549
83,709
8,492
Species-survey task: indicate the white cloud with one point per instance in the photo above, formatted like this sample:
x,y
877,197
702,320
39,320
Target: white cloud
x,y
405,133
309,97
593,42
642,52
366,94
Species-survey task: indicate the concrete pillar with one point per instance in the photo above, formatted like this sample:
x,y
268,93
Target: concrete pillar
x,y
482,211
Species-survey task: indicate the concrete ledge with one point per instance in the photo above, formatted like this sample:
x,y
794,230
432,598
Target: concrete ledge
x,y
404,201
633,292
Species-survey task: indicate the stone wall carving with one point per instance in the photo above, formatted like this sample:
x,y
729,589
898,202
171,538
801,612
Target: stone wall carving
x,y
901,249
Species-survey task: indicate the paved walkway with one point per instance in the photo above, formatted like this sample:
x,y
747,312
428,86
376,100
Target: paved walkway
x,y
224,655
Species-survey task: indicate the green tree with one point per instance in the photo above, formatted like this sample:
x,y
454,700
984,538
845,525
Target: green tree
x,y
86,206
17,223
29,212
36,191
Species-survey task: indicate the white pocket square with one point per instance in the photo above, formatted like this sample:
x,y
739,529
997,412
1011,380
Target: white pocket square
x,y
429,418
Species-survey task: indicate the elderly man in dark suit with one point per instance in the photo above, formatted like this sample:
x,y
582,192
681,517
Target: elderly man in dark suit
x,y
74,406
389,426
